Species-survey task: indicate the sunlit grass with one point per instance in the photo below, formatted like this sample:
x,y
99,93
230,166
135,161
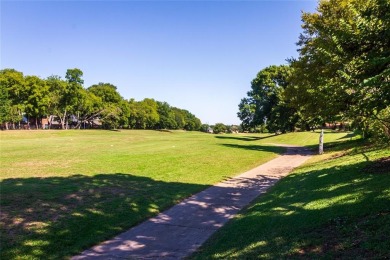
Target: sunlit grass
x,y
63,191
336,206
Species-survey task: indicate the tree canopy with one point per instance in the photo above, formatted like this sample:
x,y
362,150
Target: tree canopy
x,y
67,101
342,72
264,104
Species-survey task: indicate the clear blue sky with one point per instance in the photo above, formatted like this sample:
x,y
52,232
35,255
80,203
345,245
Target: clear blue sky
x,y
196,55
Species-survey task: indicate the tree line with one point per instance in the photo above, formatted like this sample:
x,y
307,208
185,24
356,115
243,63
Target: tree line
x,y
342,73
74,106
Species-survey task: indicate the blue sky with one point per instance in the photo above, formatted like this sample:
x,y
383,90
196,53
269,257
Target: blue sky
x,y
196,55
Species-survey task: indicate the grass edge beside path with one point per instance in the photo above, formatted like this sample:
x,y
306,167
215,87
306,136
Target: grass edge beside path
x,y
337,205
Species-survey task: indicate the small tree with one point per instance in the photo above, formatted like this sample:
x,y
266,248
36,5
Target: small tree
x,y
204,128
219,128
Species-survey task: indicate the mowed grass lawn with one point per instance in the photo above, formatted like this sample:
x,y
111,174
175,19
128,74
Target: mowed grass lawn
x,y
63,191
336,206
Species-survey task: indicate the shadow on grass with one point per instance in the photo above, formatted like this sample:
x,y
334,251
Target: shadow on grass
x,y
243,138
330,212
55,217
260,148
348,136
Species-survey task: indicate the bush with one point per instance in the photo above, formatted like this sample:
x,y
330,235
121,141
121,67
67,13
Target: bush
x,y
219,128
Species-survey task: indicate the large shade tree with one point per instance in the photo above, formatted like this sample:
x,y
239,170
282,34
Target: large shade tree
x,y
265,105
12,83
343,70
36,103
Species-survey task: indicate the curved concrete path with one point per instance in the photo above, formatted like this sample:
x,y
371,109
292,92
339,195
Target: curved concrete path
x,y
180,230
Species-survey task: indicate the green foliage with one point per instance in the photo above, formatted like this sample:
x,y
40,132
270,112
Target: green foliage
x,y
204,127
112,103
219,128
192,123
343,70
36,92
12,84
75,106
379,127
167,116
107,92
5,105
342,73
143,114
265,104
74,76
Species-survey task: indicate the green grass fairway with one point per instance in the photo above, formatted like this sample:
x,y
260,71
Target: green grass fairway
x,y
63,191
335,207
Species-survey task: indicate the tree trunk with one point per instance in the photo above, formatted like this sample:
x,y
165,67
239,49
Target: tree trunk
x,y
36,123
63,121
321,146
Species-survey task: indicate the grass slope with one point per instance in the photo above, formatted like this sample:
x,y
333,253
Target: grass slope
x,y
63,191
336,206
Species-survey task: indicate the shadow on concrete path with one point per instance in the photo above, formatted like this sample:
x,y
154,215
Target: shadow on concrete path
x,y
180,230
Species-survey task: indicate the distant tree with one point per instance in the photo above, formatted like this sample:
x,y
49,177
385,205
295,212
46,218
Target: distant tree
x,y
143,114
66,96
12,82
204,128
89,107
124,116
112,114
37,100
167,116
235,128
107,92
58,103
247,113
192,122
180,117
67,100
265,105
219,128
74,77
5,106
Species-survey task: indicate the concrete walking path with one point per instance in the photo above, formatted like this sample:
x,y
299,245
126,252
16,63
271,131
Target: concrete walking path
x,y
180,230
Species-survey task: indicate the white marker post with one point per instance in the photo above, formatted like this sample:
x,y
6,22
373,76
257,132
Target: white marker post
x,y
321,148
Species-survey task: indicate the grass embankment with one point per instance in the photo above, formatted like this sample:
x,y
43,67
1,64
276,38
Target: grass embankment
x,y
63,191
335,206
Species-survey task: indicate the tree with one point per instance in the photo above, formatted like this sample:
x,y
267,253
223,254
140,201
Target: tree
x,y
112,114
167,116
66,96
107,92
180,117
204,128
74,77
5,106
343,70
12,84
143,114
219,128
70,95
192,122
265,104
36,92
89,107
